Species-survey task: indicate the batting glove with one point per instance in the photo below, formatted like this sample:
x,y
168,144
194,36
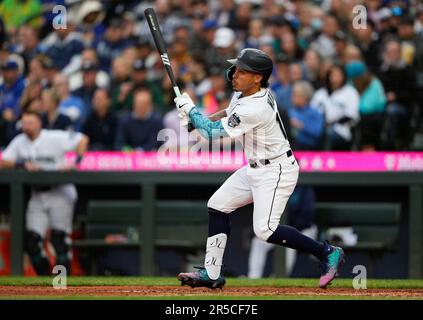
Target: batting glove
x,y
184,103
183,117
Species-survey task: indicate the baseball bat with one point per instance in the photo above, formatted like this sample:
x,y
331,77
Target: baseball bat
x,y
161,47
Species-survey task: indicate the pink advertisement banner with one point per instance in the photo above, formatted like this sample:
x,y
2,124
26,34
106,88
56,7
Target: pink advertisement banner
x,y
231,161
227,161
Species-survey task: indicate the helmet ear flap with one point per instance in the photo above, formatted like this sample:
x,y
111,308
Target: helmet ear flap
x,y
230,72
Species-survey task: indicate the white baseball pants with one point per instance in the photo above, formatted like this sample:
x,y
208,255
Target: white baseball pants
x,y
267,186
51,209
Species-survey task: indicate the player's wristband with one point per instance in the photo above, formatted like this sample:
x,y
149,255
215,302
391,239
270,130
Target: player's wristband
x,y
20,164
79,159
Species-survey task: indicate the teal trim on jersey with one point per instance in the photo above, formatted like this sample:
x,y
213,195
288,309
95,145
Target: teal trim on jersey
x,y
207,128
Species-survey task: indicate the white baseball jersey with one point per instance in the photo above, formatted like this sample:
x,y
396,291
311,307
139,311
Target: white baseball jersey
x,y
341,103
51,207
253,120
47,150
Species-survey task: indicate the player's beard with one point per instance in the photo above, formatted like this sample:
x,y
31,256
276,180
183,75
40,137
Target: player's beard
x,y
32,135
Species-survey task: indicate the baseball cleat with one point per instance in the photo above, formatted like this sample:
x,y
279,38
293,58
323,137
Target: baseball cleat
x,y
330,266
200,278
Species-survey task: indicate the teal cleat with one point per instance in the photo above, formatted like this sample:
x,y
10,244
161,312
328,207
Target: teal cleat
x,y
200,278
330,266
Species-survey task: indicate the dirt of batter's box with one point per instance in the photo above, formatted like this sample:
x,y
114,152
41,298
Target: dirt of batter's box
x,y
140,291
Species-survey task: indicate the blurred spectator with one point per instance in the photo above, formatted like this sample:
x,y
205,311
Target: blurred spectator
x,y
385,27
280,77
243,15
307,124
63,46
181,58
399,82
90,15
18,12
408,39
267,47
418,24
50,71
290,47
214,97
11,90
279,25
89,85
121,83
28,46
225,44
309,16
341,44
35,105
225,15
197,8
138,129
31,92
325,43
101,124
339,102
284,96
369,42
198,72
201,44
138,79
312,64
351,53
37,70
256,34
168,21
88,56
51,117
69,105
372,105
112,45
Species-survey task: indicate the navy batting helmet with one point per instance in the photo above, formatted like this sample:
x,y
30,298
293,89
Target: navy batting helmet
x,y
252,60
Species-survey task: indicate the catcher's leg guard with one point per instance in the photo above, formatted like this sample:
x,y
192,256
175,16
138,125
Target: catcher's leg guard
x,y
61,243
34,247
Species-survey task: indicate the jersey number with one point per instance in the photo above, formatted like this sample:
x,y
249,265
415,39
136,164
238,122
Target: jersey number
x,y
272,103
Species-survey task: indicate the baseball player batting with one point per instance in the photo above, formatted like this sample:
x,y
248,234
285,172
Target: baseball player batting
x,y
267,181
50,207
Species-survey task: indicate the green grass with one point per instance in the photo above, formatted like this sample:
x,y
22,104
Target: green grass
x,y
231,282
235,282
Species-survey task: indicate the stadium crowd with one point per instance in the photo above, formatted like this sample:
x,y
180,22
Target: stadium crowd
x,y
338,85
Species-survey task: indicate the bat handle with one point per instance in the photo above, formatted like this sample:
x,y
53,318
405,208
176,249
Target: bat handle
x,y
190,126
177,91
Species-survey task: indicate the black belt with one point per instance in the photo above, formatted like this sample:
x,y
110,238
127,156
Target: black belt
x,y
254,164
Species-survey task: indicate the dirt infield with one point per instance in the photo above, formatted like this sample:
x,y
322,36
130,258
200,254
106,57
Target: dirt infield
x,y
175,291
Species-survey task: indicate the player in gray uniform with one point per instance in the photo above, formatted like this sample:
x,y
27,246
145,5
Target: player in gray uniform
x,y
49,206
268,180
